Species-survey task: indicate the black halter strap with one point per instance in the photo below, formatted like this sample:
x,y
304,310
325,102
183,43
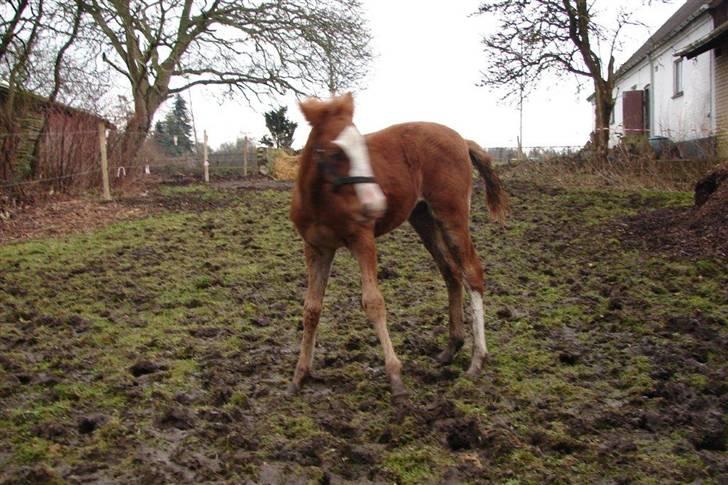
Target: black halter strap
x,y
337,181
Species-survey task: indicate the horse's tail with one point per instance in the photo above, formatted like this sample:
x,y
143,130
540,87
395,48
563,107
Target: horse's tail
x,y
495,194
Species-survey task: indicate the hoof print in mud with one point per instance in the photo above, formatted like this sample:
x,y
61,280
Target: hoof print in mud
x,y
711,433
177,417
89,424
461,433
569,358
145,367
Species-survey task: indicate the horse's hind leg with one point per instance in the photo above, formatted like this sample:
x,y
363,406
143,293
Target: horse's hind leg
x,y
364,250
431,235
318,263
461,246
453,221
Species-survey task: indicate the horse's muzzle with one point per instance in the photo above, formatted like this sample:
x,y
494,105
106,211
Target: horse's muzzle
x,y
373,212
373,201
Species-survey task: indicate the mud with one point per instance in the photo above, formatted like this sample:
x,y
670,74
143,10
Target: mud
x,y
62,215
693,232
159,349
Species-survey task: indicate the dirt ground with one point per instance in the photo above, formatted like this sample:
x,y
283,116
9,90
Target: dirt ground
x,y
62,214
155,346
693,232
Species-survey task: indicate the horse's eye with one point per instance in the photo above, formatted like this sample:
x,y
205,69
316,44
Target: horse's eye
x,y
339,156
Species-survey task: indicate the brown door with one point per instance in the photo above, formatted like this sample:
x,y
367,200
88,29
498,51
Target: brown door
x,y
633,112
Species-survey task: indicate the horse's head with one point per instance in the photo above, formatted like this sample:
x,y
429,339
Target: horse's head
x,y
341,151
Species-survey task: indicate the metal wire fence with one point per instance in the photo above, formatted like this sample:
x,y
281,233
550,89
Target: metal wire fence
x,y
504,155
58,168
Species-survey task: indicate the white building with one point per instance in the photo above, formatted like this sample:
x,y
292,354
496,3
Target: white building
x,y
667,88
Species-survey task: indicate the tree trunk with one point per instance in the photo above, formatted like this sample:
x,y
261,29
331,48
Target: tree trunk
x,y
7,143
137,128
132,138
603,106
13,108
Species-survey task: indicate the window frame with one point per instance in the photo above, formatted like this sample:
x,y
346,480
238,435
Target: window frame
x,y
678,78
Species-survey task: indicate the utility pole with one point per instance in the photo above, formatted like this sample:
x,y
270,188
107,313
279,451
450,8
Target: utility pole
x,y
521,87
245,155
520,125
205,163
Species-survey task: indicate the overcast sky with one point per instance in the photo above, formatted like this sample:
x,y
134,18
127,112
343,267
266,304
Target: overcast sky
x,y
428,61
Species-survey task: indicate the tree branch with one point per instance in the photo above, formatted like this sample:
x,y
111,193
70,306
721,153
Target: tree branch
x,y
11,26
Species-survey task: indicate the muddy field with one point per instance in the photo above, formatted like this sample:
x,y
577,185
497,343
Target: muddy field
x,y
158,349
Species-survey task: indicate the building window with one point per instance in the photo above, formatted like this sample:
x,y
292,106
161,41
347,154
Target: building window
x,y
677,78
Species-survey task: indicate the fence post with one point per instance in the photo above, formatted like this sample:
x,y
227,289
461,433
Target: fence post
x,y
205,163
245,156
104,161
261,159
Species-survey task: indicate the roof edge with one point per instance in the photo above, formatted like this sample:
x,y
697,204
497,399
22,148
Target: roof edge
x,y
45,101
659,38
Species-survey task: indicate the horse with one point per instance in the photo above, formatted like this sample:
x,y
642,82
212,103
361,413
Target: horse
x,y
352,188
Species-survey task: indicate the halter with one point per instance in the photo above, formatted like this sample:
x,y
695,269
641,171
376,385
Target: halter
x,y
339,182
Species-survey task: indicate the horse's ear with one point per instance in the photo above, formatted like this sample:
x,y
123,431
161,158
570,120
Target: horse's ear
x,y
346,104
313,110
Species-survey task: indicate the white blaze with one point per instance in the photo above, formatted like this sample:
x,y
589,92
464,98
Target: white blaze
x,y
355,147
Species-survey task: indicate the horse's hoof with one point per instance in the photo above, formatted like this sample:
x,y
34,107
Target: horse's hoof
x,y
312,377
293,389
448,355
476,367
472,373
399,392
445,357
400,398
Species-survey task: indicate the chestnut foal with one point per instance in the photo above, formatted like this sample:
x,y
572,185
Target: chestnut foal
x,y
353,188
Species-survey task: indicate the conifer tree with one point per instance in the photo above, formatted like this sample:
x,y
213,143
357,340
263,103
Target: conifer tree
x,y
280,127
174,133
183,125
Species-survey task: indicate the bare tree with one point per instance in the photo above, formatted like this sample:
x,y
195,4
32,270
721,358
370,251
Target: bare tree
x,y
20,20
559,37
74,12
65,65
343,50
44,50
11,21
40,56
164,47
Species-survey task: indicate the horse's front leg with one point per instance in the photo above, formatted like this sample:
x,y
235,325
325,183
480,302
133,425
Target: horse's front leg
x,y
318,264
365,252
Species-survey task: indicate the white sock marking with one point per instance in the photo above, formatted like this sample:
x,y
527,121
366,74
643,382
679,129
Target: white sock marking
x,y
476,300
355,147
